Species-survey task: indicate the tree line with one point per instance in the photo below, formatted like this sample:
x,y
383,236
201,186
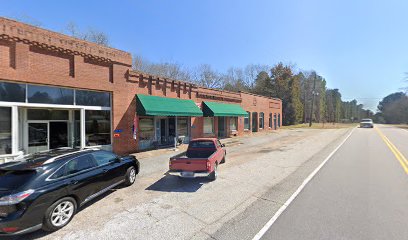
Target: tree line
x,y
299,90
393,109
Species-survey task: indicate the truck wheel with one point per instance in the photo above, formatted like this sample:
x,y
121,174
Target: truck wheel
x,y
213,176
223,160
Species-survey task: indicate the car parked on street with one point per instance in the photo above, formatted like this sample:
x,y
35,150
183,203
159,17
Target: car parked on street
x,y
201,159
367,123
45,190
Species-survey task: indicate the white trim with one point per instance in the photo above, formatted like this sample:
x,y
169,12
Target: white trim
x,y
269,224
61,106
82,126
14,130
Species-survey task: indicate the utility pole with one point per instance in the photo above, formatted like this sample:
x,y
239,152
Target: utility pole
x,y
313,99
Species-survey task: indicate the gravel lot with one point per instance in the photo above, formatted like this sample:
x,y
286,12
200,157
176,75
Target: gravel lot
x,y
159,206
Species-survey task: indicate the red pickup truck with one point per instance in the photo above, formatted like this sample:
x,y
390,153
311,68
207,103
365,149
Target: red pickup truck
x,y
201,159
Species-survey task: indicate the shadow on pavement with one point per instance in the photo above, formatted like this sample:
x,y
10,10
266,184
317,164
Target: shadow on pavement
x,y
170,183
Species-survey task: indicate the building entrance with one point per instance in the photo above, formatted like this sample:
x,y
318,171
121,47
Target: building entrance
x,y
45,135
47,129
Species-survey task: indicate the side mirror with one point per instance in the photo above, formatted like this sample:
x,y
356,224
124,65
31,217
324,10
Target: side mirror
x,y
222,145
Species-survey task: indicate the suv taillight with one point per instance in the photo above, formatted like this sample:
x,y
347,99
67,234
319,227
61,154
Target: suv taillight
x,y
15,198
208,166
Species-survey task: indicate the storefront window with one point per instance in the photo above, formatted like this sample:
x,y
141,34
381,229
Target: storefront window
x,y
233,123
12,92
97,127
45,114
247,121
208,125
5,130
261,120
182,126
146,128
92,98
50,95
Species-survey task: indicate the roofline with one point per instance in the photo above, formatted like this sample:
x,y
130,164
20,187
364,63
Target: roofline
x,y
17,30
254,94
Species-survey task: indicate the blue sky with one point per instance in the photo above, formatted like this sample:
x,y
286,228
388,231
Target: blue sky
x,y
360,47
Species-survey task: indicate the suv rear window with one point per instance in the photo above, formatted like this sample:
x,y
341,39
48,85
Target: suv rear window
x,y
10,180
202,144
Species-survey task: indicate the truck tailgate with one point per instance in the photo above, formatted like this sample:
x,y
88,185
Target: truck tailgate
x,y
189,164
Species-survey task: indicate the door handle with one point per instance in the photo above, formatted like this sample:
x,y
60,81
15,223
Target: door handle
x,y
74,182
105,170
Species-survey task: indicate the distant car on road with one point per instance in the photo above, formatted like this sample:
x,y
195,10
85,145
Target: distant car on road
x,y
201,159
46,189
366,123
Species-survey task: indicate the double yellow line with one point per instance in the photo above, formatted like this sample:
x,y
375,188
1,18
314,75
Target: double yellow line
x,y
402,160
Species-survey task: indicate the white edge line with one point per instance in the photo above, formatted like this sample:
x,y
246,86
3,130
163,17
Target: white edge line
x,y
269,224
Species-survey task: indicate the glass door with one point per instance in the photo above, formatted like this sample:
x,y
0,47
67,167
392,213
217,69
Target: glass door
x,y
221,127
254,122
58,134
37,136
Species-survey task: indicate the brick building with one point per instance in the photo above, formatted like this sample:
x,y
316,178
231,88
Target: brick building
x,y
58,91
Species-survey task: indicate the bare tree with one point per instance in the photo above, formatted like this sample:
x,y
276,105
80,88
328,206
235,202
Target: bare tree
x,y
251,73
170,70
91,34
205,76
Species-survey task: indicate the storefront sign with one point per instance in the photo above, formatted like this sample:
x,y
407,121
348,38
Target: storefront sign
x,y
116,135
118,130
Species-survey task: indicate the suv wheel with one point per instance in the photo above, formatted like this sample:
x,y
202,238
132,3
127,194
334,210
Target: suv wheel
x,y
59,214
130,176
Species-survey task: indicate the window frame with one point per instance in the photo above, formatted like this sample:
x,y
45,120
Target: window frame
x,y
261,116
212,125
55,88
50,178
232,120
11,130
109,130
249,121
105,164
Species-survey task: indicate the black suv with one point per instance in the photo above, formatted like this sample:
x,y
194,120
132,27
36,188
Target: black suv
x,y
44,190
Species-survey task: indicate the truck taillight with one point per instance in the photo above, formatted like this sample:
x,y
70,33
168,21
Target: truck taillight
x,y
208,166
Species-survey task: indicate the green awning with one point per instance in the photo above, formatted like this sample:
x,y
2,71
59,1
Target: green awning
x,y
147,105
215,109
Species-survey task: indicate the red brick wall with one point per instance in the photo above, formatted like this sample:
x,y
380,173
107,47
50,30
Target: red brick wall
x,y
64,61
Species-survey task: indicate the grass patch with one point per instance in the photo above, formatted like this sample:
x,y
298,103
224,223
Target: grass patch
x,y
322,125
403,126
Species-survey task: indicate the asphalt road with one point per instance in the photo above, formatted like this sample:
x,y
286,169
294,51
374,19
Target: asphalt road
x,y
361,192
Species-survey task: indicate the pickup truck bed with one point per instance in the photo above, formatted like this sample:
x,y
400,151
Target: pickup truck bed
x,y
200,160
